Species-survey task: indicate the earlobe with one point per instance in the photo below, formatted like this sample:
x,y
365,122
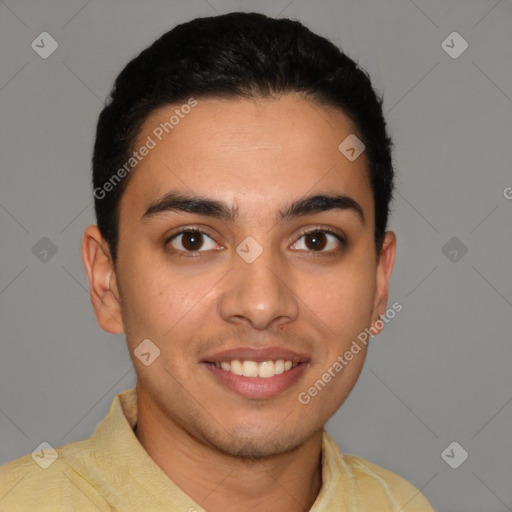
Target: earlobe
x,y
101,275
384,271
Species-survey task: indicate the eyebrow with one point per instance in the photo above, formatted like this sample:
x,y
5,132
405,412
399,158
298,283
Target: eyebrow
x,y
201,205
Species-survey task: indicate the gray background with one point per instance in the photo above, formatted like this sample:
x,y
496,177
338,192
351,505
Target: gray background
x,y
440,371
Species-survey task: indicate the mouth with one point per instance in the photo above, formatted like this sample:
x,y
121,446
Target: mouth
x,y
256,373
254,369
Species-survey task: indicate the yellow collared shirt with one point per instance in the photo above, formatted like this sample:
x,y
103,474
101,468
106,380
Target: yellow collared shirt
x,y
111,471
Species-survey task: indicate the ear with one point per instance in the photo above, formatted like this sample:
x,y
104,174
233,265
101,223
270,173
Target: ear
x,y
102,281
384,270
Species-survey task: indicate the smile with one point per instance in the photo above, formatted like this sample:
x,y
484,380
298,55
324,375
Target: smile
x,y
263,370
249,384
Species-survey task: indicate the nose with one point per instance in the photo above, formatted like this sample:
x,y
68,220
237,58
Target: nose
x,y
260,293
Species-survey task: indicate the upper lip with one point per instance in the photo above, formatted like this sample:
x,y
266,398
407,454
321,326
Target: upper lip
x,y
256,354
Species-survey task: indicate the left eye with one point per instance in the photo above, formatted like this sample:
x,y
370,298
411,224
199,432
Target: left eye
x,y
318,240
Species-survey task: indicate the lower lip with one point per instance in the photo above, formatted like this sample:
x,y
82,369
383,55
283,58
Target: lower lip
x,y
256,387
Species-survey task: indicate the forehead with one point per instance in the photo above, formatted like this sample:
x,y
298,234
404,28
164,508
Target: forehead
x,y
238,149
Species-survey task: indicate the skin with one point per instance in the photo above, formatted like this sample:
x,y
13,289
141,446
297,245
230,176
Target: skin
x,y
225,451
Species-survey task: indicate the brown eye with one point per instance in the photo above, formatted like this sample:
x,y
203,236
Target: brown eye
x,y
191,240
320,240
315,241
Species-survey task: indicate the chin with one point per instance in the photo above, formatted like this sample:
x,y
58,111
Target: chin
x,y
258,450
248,444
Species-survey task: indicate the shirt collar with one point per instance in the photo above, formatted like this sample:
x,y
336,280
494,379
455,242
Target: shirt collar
x,y
114,460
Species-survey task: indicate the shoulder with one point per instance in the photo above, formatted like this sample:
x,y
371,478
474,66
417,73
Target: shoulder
x,y
26,483
385,486
368,485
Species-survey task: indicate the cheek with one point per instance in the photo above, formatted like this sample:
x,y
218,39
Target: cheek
x,y
147,306
342,299
157,297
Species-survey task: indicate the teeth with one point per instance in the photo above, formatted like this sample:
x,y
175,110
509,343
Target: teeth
x,y
236,367
250,369
263,370
266,369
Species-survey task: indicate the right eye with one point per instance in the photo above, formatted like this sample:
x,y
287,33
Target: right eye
x,y
190,241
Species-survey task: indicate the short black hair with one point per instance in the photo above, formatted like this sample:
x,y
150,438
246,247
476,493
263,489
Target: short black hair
x,y
230,56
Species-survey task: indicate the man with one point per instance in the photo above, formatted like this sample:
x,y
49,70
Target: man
x,y
242,178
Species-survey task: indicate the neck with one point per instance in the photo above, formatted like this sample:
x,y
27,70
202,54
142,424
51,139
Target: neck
x,y
219,482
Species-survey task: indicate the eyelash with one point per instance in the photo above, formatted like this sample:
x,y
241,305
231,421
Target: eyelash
x,y
195,254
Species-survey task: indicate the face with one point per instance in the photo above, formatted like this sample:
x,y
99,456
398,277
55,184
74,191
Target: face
x,y
252,277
